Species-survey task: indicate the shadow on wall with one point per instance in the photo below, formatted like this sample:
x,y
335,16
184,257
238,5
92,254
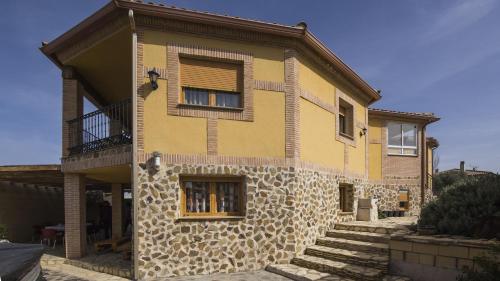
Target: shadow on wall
x,y
24,206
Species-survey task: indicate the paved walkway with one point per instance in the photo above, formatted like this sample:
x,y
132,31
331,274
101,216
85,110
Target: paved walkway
x,y
259,275
65,272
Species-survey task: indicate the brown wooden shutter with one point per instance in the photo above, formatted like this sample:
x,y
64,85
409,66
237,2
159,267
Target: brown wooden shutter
x,y
213,75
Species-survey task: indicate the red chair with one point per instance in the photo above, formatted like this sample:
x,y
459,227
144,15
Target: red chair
x,y
48,235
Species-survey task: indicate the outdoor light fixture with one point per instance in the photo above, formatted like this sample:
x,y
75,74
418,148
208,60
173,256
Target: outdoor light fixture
x,y
363,131
153,78
156,160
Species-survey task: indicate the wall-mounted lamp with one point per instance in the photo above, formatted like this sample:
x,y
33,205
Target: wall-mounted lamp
x,y
153,78
156,160
363,131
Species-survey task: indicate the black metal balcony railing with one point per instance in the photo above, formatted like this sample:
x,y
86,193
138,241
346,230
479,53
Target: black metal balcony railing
x,y
110,126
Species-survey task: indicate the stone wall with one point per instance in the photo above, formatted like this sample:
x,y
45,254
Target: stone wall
x,y
317,204
286,210
431,258
169,246
387,194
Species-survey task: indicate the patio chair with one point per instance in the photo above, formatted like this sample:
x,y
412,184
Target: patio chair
x,y
48,235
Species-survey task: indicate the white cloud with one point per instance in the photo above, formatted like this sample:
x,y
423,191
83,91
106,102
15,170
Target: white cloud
x,y
458,17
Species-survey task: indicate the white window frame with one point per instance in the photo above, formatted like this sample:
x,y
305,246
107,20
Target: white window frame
x,y
402,146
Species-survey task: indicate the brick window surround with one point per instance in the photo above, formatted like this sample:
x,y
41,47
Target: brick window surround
x,y
175,107
347,102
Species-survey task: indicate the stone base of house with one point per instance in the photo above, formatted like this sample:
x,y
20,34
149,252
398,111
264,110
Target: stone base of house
x,y
287,209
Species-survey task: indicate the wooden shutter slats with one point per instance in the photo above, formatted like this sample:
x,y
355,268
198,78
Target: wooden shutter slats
x,y
214,75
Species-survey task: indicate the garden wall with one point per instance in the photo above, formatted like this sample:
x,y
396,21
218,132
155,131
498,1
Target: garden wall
x,y
432,258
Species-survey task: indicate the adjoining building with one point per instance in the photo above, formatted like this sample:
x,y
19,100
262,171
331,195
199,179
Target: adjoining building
x,y
243,141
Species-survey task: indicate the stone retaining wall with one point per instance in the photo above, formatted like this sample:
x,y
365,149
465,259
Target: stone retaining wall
x,y
431,258
286,210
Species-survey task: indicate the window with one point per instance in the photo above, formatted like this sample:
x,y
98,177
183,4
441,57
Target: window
x,y
402,139
404,203
346,200
204,97
211,83
346,119
204,196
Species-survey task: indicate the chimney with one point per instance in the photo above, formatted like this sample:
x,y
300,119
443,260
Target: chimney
x,y
462,166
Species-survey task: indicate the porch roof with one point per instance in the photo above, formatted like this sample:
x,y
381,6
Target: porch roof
x,y
43,175
426,117
118,7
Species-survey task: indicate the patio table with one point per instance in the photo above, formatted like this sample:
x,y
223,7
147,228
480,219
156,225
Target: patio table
x,y
58,227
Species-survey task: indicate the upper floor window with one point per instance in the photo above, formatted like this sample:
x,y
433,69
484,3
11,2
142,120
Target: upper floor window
x,y
211,83
346,118
402,139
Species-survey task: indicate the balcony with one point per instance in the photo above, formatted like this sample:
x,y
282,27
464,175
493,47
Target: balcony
x,y
102,129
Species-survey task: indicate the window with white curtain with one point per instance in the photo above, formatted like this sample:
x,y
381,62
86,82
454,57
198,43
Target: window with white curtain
x,y
402,139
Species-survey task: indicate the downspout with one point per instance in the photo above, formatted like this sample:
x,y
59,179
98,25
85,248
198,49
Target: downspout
x,y
423,167
134,145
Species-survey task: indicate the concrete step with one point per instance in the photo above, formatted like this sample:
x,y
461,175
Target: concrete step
x,y
367,227
354,245
338,268
359,236
299,273
352,257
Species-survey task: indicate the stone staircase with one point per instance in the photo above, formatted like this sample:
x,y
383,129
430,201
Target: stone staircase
x,y
352,251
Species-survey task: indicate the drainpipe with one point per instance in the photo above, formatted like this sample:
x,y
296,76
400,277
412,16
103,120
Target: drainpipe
x,y
134,144
423,167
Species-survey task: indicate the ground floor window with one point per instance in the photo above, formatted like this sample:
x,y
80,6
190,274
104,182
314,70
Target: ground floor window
x,y
346,192
211,196
404,200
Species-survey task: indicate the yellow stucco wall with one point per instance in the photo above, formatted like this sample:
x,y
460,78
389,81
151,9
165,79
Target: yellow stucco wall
x,y
268,62
265,137
375,149
315,81
357,155
317,136
171,134
317,126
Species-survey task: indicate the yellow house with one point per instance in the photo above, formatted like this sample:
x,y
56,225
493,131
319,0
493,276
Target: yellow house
x,y
241,141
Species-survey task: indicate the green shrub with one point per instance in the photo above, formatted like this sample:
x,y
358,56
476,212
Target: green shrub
x,y
489,268
470,207
3,231
443,180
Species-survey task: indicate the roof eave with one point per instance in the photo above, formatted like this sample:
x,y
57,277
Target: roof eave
x,y
425,118
57,43
343,68
300,33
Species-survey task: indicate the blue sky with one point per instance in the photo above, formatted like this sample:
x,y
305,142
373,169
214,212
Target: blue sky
x,y
425,55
